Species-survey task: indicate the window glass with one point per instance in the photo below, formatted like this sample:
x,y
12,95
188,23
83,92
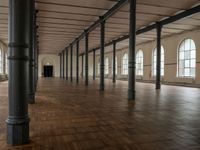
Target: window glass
x,y
187,58
139,62
106,69
125,64
155,60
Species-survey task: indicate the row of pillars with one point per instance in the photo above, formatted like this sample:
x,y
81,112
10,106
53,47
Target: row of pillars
x,y
131,59
23,64
23,68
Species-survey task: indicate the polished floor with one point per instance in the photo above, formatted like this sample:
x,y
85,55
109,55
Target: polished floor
x,y
70,116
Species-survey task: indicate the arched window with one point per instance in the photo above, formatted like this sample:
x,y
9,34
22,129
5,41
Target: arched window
x,y
155,60
125,64
1,61
106,69
187,58
139,62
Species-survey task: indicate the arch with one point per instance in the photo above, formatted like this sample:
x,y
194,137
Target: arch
x,y
186,58
125,64
47,61
154,61
139,62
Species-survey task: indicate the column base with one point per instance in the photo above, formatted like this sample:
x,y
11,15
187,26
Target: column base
x,y
17,130
131,95
158,87
86,83
101,88
31,99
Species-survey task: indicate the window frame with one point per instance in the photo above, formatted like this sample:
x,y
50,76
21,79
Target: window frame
x,y
188,59
154,61
125,65
139,62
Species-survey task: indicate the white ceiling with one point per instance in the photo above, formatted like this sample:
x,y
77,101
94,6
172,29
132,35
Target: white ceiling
x,y
61,21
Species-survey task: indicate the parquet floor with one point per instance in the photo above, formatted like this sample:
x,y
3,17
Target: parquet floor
x,y
71,117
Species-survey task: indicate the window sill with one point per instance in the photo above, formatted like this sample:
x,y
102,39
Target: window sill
x,y
185,78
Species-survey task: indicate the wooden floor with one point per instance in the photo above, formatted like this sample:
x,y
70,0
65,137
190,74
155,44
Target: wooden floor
x,y
69,116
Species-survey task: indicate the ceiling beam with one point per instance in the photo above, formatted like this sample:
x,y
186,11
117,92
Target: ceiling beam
x,y
107,15
163,22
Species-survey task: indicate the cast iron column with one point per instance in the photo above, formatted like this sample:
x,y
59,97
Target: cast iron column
x,y
35,49
31,53
63,59
18,83
71,63
37,66
66,63
102,42
114,61
131,60
158,57
94,65
82,66
60,65
86,58
77,62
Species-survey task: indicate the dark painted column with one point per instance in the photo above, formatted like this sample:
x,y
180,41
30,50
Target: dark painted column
x,y
18,84
131,60
77,62
158,57
31,53
35,50
63,59
86,59
102,43
94,65
114,62
60,65
36,47
37,63
71,63
82,65
66,49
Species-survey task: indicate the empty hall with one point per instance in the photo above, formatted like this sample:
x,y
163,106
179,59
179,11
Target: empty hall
x,y
92,75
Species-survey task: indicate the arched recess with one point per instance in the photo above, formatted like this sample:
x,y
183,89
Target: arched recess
x,y
48,62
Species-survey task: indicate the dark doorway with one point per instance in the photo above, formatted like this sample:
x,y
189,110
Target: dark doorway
x,y
48,71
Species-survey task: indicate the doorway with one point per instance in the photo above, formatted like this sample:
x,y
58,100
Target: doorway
x,y
48,71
